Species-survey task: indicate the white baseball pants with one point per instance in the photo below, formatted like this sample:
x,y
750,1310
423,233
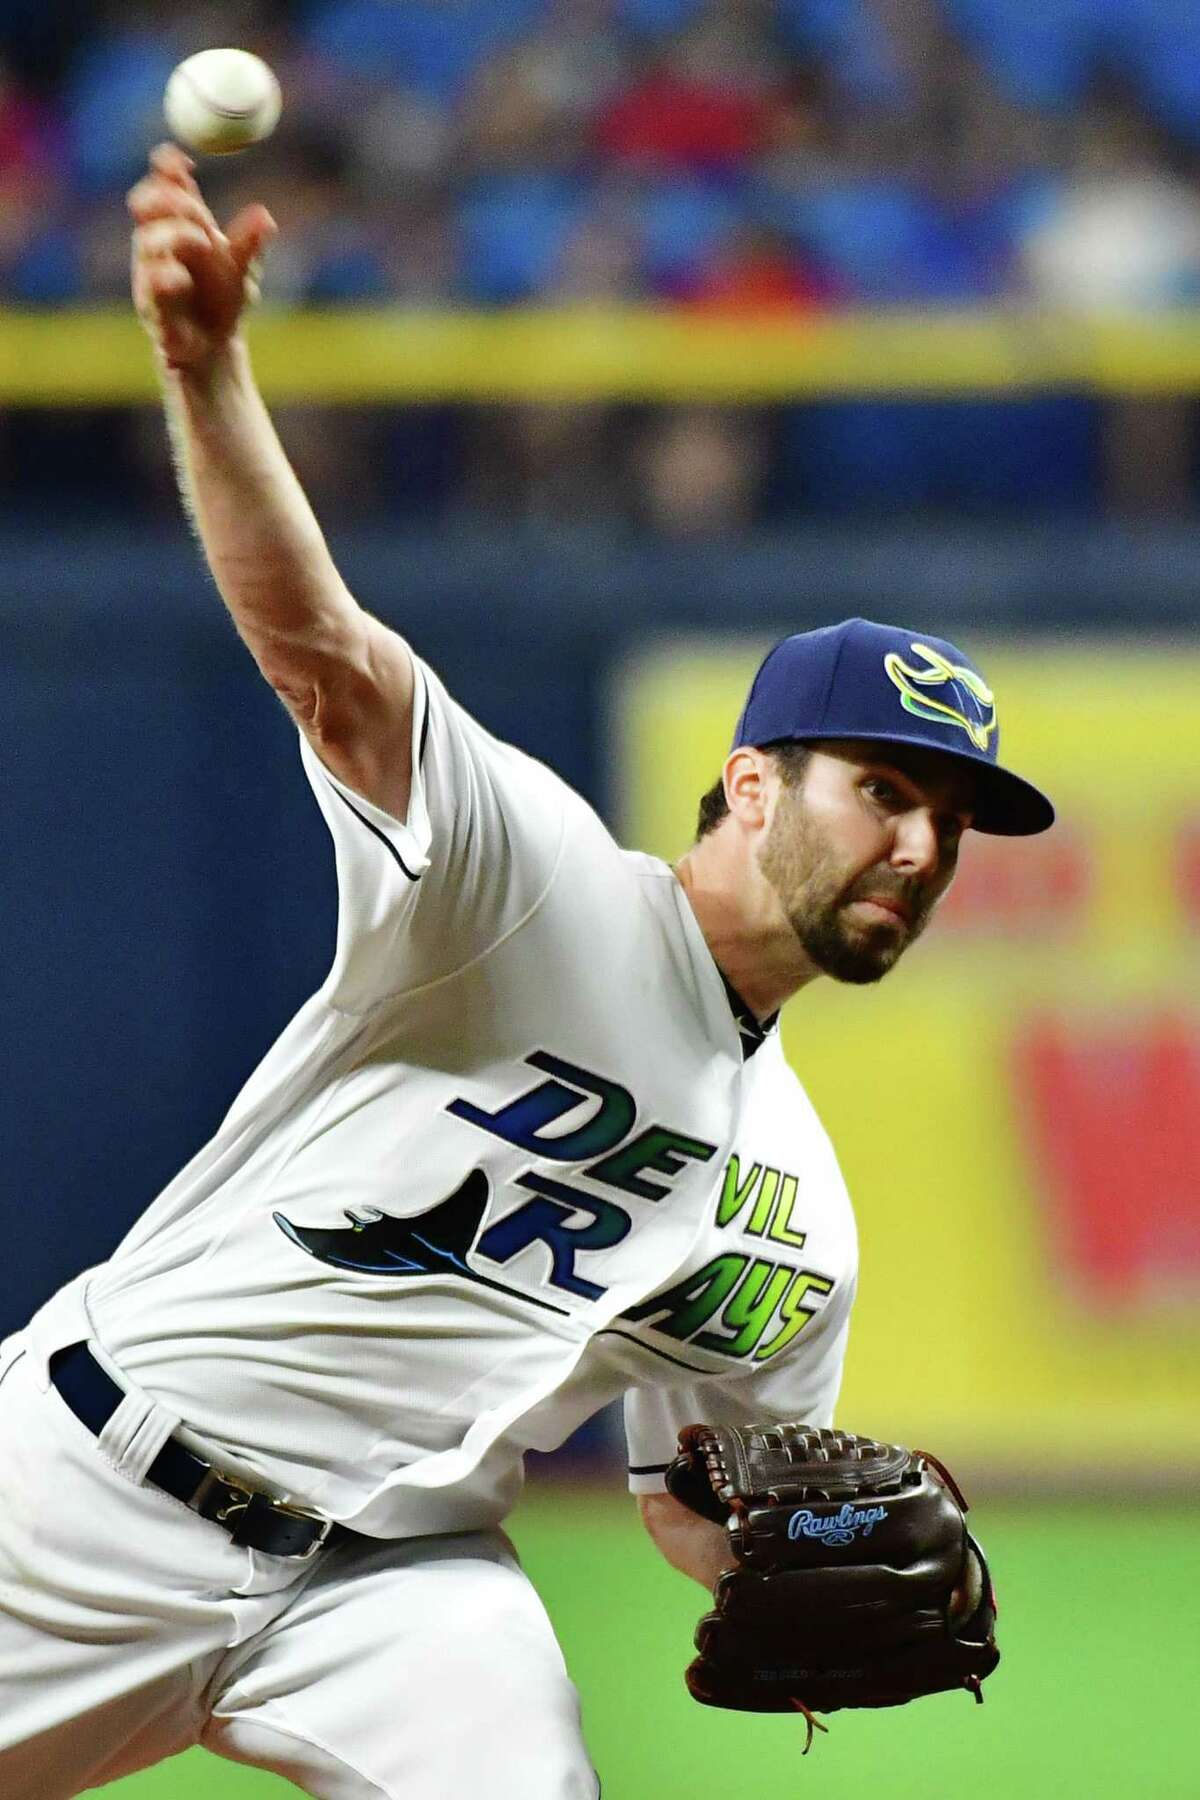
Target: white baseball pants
x,y
130,1629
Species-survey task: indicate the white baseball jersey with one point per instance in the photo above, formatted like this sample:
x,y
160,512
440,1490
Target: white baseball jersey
x,y
511,1162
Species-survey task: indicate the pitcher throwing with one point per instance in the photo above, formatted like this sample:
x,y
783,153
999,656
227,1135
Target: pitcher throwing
x,y
532,1146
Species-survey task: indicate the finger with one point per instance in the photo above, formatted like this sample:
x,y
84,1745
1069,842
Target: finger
x,y
168,289
175,164
154,198
169,279
160,283
171,238
249,234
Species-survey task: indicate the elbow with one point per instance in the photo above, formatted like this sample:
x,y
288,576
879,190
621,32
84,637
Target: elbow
x,y
325,682
301,698
355,707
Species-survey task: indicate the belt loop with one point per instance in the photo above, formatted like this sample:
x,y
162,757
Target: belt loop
x,y
132,1430
135,1434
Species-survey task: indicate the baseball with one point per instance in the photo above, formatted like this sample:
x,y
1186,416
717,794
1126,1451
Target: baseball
x,y
221,100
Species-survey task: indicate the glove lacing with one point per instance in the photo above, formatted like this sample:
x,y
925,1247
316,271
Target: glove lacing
x,y
812,1722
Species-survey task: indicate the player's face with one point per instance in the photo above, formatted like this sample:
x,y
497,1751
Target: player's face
x,y
861,850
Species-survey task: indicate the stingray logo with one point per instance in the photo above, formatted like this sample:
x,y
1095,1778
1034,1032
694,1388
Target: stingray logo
x,y
841,1527
442,1239
971,705
434,1242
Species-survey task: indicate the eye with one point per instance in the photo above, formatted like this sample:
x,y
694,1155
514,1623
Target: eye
x,y
881,789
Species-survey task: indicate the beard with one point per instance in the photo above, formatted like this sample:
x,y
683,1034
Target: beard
x,y
800,864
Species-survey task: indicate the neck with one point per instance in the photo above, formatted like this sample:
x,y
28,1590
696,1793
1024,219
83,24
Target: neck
x,y
744,926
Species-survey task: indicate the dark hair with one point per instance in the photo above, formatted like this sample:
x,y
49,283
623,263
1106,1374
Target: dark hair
x,y
791,759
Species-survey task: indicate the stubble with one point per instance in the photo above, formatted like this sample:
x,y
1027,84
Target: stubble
x,y
816,894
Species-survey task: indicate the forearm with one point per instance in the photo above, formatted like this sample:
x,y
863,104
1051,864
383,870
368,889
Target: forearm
x,y
263,544
689,1543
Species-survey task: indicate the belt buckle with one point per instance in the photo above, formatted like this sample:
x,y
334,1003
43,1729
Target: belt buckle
x,y
240,1498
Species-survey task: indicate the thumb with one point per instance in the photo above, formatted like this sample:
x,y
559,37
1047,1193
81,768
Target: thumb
x,y
249,234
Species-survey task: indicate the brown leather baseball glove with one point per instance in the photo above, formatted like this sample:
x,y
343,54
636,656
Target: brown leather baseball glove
x,y
857,1582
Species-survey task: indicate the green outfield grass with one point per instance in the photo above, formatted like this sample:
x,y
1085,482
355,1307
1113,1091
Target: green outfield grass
x,y
1093,1698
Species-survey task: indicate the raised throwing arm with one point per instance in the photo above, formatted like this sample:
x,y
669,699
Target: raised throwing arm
x,y
345,678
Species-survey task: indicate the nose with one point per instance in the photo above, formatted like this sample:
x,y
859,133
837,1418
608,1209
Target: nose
x,y
917,844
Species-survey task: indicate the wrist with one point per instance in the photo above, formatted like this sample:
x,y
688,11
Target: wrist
x,y
228,366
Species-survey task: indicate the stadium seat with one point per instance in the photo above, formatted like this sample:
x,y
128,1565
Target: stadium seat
x,y
47,271
1039,52
424,45
346,273
876,238
852,40
1159,47
114,107
657,18
512,233
683,226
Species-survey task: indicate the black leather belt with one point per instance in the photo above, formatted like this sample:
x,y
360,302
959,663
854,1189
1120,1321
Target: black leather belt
x,y
250,1517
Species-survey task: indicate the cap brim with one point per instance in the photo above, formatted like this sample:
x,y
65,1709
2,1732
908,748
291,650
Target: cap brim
x,y
1006,804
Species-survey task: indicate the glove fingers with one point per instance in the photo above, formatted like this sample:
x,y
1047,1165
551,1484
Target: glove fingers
x,y
689,1478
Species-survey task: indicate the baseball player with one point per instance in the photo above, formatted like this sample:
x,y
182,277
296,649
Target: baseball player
x,y
532,1147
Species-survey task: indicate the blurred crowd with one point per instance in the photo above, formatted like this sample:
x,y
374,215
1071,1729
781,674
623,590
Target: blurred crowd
x,y
796,153
734,154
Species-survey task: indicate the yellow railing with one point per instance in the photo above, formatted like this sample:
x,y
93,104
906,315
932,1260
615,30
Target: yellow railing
x,y
99,356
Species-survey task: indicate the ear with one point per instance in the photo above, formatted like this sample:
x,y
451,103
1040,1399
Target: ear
x,y
746,781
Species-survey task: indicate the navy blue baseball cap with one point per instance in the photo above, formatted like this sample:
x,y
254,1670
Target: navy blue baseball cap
x,y
863,680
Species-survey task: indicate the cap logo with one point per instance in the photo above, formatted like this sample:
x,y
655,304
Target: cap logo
x,y
916,697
